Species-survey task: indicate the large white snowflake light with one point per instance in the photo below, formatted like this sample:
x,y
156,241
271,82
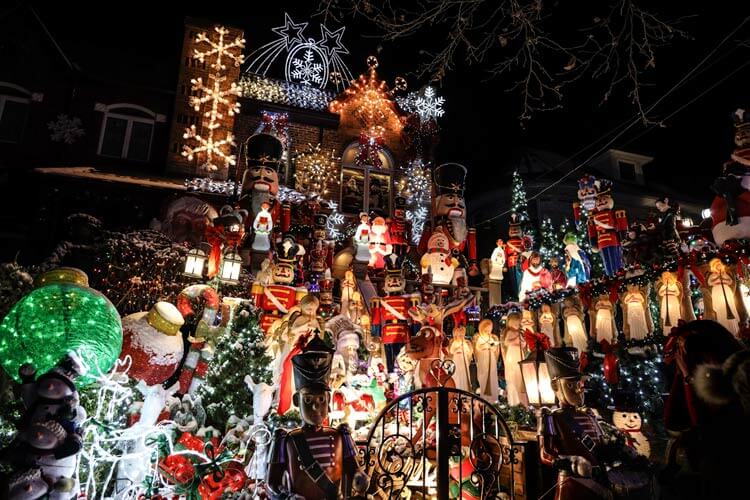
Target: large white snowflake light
x,y
217,97
306,70
429,105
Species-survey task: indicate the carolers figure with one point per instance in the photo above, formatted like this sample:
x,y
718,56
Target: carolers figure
x,y
362,239
495,273
314,461
486,353
262,226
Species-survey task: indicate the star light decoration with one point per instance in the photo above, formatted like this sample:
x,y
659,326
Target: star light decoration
x,y
308,61
415,183
220,98
315,170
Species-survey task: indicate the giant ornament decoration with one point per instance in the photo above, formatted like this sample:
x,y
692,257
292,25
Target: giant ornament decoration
x,y
62,314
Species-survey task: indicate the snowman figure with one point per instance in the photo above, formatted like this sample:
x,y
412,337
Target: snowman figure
x,y
438,260
627,420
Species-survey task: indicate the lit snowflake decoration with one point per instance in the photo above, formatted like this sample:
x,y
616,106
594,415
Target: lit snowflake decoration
x,y
335,219
429,105
65,129
306,70
308,61
418,217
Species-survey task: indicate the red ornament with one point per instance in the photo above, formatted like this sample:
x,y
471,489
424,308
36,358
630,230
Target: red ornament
x,y
177,468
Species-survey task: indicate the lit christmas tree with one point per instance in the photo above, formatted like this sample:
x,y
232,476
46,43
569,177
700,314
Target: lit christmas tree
x,y
240,352
550,242
520,205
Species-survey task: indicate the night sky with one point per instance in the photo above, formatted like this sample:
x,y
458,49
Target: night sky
x,y
480,127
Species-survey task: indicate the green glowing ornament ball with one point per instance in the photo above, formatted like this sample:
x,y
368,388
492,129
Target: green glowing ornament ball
x,y
60,315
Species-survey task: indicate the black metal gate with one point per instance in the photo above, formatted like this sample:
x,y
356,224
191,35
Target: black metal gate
x,y
467,452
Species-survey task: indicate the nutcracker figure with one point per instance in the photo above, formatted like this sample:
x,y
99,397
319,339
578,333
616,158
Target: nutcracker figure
x,y
278,298
399,227
260,182
390,317
449,212
572,440
327,307
514,247
606,227
314,461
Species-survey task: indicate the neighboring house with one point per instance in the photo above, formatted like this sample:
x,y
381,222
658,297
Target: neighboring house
x,y
632,191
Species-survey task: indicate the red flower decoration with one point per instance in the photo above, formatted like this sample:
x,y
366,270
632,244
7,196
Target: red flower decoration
x,y
536,341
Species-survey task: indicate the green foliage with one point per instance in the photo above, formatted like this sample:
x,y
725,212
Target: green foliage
x,y
550,244
239,352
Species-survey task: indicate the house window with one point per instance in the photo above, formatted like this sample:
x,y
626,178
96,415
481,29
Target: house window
x,y
627,170
127,132
365,188
14,111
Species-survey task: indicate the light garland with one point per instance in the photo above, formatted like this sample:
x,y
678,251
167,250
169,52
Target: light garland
x,y
315,170
265,89
217,149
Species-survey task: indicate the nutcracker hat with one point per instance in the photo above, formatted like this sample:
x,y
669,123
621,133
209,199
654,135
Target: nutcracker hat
x,y
586,186
320,220
450,178
394,265
399,202
287,251
603,186
561,364
265,150
312,367
230,216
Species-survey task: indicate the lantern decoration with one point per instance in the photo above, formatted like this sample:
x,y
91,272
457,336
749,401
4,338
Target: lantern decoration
x,y
315,170
62,314
231,265
536,379
195,262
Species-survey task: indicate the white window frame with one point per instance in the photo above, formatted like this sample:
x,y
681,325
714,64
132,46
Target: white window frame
x,y
367,170
23,100
130,119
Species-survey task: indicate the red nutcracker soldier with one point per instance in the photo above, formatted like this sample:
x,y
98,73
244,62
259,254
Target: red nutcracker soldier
x,y
449,212
606,227
390,317
260,182
399,227
277,299
514,247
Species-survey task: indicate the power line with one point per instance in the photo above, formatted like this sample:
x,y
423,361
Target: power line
x,y
632,123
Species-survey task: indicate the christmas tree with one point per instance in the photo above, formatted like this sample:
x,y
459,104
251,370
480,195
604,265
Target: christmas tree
x,y
550,246
239,352
520,205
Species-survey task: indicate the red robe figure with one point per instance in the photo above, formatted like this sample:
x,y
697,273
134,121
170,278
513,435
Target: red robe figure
x,y
390,318
606,227
399,227
275,300
449,213
559,280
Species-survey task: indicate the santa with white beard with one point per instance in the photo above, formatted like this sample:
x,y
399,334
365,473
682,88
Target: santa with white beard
x,y
449,213
260,183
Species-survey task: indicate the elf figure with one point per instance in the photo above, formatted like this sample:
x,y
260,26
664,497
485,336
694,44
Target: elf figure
x,y
730,210
262,226
513,249
314,461
362,239
390,318
536,276
606,226
277,299
577,264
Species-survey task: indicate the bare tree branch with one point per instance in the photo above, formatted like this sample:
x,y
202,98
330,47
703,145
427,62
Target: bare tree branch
x,y
520,40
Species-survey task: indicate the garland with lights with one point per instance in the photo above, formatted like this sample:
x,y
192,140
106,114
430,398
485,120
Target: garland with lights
x,y
266,89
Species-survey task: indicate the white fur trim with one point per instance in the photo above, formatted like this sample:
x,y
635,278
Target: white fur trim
x,y
722,232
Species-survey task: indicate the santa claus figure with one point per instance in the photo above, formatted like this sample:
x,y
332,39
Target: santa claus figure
x,y
730,210
380,243
439,260
449,212
262,226
390,318
606,227
362,239
534,277
275,300
260,183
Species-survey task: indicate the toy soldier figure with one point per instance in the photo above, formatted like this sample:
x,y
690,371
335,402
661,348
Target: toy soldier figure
x,y
399,227
572,440
390,317
314,461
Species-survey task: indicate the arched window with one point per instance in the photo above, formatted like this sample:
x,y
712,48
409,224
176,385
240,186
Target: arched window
x,y
127,131
366,188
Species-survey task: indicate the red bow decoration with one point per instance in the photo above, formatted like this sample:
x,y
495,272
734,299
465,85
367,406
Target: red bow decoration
x,y
536,341
369,149
611,364
190,442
